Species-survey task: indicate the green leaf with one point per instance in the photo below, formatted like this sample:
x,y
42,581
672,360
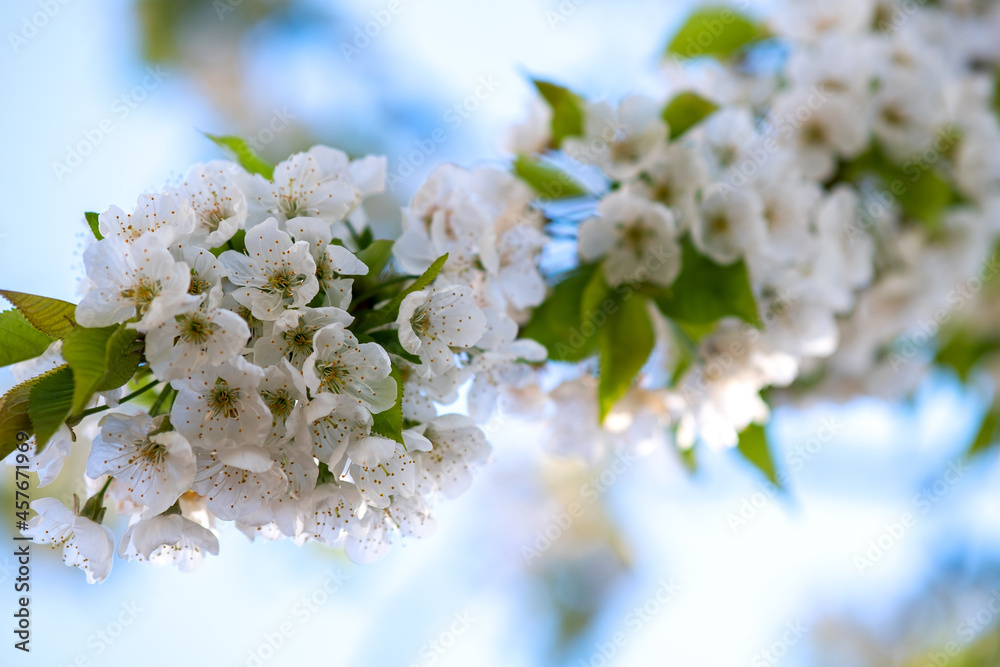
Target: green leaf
x,y
94,223
556,323
714,31
687,351
49,404
754,447
548,181
15,424
390,311
389,423
122,357
50,316
377,256
705,291
19,340
963,351
567,110
237,243
987,435
245,155
625,342
686,110
101,360
920,191
364,239
996,93
688,459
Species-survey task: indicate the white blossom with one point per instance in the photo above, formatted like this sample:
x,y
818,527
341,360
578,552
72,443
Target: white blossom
x,y
434,321
84,543
273,274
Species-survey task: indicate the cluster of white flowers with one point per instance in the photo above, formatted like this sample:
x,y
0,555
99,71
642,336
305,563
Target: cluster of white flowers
x,y
242,289
859,181
782,220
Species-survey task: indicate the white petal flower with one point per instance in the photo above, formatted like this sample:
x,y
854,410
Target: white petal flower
x,y
518,276
730,223
728,136
534,134
156,469
139,279
195,338
358,372
164,216
622,140
274,273
231,491
322,183
412,516
329,513
207,272
219,205
453,212
50,462
381,468
433,321
283,390
636,238
674,176
330,425
220,404
332,261
292,335
85,544
299,466
458,446
168,539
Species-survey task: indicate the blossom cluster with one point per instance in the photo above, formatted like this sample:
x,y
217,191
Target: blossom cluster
x,y
810,210
297,378
845,155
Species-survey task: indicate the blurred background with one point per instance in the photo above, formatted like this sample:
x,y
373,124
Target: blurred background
x,y
883,551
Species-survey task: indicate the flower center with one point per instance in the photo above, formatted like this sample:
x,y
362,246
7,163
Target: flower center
x,y
211,219
300,339
332,377
324,271
421,323
289,205
283,281
223,400
280,403
142,293
195,328
256,326
718,223
198,284
150,451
